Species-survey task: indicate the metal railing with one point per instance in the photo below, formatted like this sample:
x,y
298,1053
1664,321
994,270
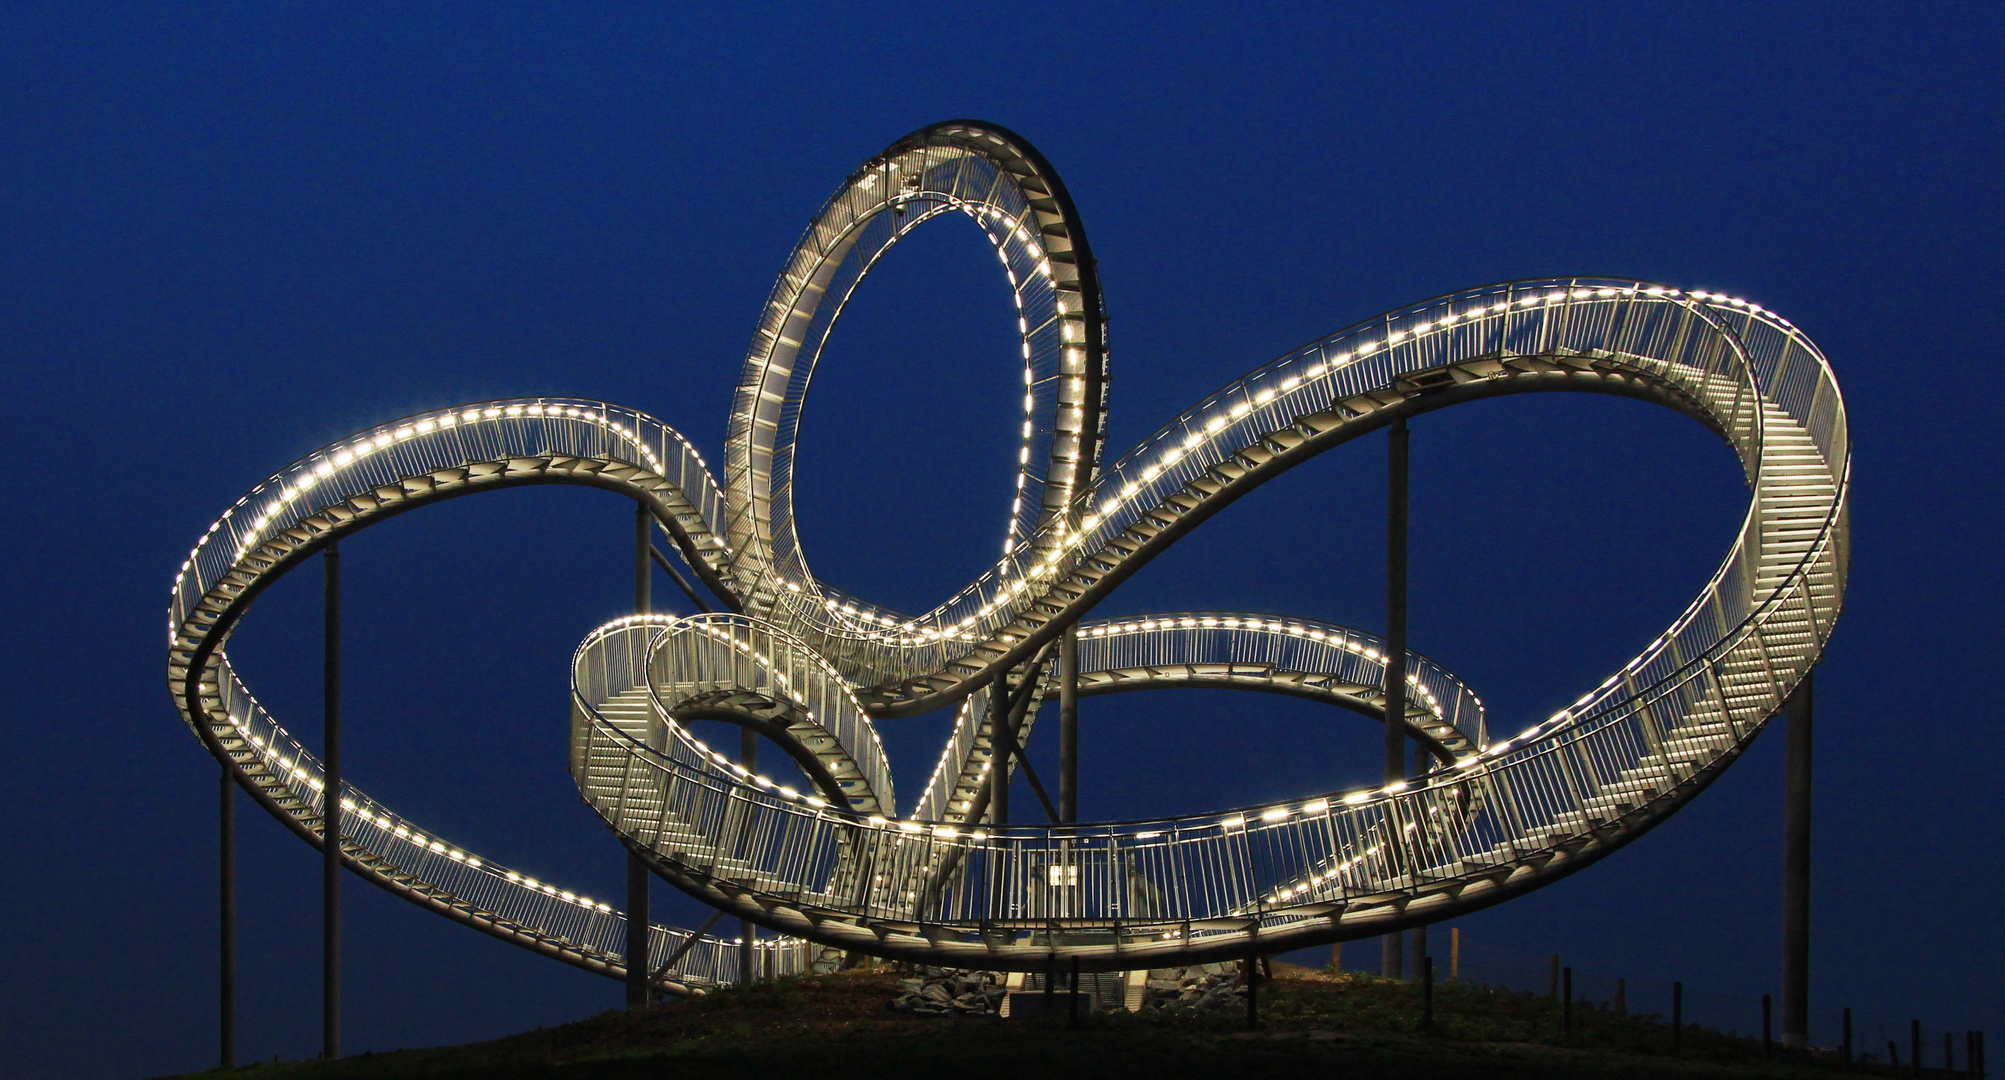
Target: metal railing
x,y
372,474
1180,648
1270,864
1682,340
1629,750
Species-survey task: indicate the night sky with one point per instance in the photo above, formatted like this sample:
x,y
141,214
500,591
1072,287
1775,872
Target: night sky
x,y
230,234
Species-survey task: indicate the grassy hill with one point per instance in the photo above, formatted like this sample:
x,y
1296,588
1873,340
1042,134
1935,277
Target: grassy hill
x,y
1312,1023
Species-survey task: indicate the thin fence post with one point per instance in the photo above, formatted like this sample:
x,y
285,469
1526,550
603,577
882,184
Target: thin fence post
x,y
1455,954
1677,1017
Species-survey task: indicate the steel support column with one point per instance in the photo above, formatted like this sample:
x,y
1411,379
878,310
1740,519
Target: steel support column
x,y
330,807
1420,953
227,904
1395,644
1796,870
748,971
998,750
637,873
1068,726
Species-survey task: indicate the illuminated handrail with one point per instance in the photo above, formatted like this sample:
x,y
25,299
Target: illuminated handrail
x,y
375,475
1274,867
1687,342
834,864
1336,663
1628,751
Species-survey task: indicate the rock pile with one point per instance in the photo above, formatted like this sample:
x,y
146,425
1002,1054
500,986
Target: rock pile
x,y
1195,988
948,992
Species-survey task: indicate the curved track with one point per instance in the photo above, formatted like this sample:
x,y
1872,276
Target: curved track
x,y
810,667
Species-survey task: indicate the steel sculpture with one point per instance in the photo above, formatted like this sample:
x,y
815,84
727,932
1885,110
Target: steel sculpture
x,y
837,867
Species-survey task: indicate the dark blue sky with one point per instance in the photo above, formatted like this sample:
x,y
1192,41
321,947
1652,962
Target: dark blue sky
x,y
232,233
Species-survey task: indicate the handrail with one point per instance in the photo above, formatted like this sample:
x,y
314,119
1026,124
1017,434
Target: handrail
x,y
835,865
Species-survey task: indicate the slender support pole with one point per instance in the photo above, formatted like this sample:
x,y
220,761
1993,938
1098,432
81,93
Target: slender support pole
x,y
1003,735
638,931
1395,644
676,576
999,750
1796,870
330,808
643,555
1072,997
1455,954
227,952
748,939
1068,726
1252,993
1427,993
1566,1002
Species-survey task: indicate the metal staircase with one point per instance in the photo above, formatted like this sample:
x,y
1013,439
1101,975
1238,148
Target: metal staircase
x,y
812,668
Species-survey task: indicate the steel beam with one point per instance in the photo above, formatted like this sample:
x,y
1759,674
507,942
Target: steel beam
x,y
1796,869
1395,643
330,807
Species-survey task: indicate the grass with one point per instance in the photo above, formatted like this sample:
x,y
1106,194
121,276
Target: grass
x,y
1312,1023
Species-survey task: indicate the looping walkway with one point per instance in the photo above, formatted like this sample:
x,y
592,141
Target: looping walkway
x,y
812,668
